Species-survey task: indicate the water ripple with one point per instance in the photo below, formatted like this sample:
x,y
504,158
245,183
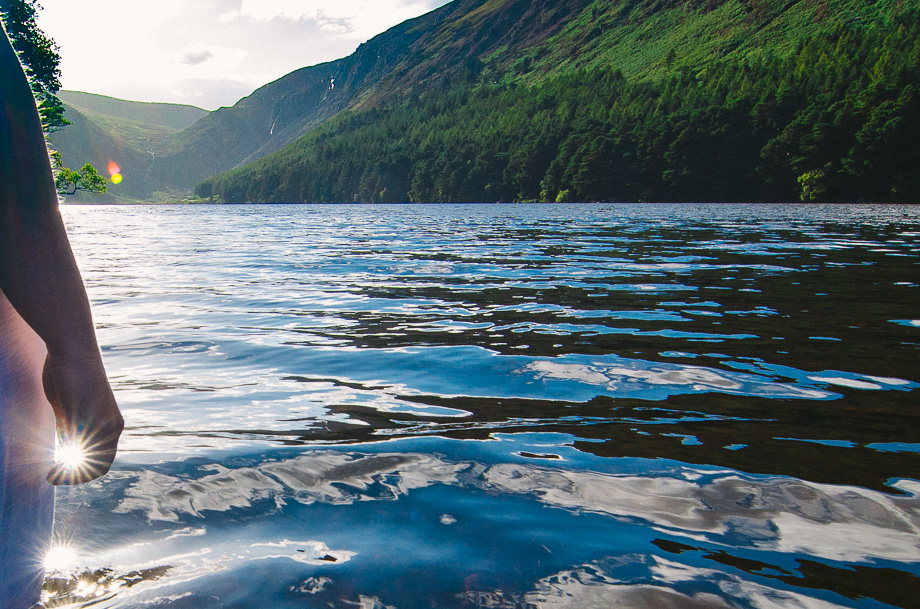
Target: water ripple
x,y
543,406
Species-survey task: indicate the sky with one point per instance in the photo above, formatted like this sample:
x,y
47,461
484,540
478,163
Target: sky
x,y
207,53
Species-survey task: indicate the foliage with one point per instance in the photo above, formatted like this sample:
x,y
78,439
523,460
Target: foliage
x,y
69,181
40,59
846,102
812,183
39,56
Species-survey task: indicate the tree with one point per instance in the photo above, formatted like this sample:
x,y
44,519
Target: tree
x,y
69,181
39,56
813,186
670,58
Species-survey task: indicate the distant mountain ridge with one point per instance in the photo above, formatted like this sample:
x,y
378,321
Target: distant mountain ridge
x,y
474,45
172,116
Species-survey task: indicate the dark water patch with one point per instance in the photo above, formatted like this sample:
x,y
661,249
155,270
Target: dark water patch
x,y
894,587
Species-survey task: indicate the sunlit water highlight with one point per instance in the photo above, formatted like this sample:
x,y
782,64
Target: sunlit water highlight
x,y
502,406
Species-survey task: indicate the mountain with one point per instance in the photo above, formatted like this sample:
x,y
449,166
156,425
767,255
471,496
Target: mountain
x,y
512,100
485,42
280,112
629,100
160,164
105,129
172,117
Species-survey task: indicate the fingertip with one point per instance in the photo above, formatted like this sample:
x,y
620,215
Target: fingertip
x,y
59,476
62,476
56,476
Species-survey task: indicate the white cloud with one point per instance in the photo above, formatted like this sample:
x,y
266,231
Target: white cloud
x,y
355,18
208,62
193,58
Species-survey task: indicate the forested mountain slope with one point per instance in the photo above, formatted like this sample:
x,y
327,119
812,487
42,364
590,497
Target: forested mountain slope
x,y
713,100
514,99
421,53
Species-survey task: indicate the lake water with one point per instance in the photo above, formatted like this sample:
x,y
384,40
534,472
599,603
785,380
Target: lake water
x,y
503,406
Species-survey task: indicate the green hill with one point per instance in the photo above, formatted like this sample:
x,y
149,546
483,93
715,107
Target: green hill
x,y
172,117
105,129
714,100
85,141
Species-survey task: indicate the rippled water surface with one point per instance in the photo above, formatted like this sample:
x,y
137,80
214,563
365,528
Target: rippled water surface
x,y
502,406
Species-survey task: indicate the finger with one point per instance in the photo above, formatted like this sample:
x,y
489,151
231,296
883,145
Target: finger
x,y
78,462
63,475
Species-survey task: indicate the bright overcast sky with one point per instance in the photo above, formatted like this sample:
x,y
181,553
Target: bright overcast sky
x,y
207,53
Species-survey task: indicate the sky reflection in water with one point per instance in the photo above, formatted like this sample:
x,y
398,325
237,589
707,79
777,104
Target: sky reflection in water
x,y
502,406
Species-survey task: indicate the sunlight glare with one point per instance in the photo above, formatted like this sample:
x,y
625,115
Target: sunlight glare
x,y
60,557
70,456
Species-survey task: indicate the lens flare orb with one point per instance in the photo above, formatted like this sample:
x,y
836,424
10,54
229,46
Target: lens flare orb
x,y
115,172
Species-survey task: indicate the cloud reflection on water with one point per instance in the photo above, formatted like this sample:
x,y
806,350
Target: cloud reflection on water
x,y
774,514
595,586
326,477
627,377
191,526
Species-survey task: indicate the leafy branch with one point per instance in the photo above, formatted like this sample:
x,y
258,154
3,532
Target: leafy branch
x,y
40,58
68,181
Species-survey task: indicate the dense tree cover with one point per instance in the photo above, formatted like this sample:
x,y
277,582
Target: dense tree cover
x,y
836,120
39,56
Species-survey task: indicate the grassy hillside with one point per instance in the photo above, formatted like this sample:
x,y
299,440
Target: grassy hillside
x,y
170,117
529,41
647,39
106,129
629,100
95,141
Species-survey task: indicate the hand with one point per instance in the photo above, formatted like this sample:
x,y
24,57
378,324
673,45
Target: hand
x,y
86,415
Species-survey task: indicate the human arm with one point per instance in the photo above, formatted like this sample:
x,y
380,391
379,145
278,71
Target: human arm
x,y
39,276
